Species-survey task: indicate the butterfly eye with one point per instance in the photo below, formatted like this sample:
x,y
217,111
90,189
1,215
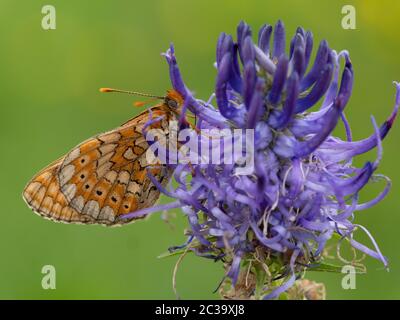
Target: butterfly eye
x,y
172,103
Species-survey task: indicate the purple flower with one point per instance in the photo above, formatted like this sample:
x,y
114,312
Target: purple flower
x,y
304,188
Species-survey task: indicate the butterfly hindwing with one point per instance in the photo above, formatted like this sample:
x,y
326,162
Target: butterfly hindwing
x,y
102,178
42,194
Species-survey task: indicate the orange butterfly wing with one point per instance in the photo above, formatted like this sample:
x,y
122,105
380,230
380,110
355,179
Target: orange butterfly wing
x,y
102,178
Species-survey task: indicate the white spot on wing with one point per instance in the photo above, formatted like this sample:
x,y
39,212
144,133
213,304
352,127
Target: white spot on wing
x,y
102,160
66,174
141,142
103,169
78,203
72,156
111,176
69,191
124,177
129,154
134,187
91,208
107,213
107,148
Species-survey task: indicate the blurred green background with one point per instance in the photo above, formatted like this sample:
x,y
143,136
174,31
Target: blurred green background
x,y
49,95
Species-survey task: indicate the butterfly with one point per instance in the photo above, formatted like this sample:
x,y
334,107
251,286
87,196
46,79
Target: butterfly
x,y
105,176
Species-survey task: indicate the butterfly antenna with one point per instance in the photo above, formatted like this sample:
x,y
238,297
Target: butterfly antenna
x,y
131,92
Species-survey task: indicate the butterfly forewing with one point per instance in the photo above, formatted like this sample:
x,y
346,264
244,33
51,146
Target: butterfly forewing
x,y
102,178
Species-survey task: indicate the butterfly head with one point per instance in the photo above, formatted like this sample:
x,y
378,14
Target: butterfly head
x,y
173,100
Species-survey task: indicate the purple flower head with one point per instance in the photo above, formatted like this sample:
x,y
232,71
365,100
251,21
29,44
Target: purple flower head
x,y
304,188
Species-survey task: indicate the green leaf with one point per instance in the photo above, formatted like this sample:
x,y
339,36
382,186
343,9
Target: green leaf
x,y
261,278
173,253
283,296
327,267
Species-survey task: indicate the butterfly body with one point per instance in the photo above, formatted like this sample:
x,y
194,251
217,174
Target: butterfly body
x,y
105,176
